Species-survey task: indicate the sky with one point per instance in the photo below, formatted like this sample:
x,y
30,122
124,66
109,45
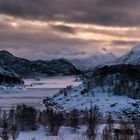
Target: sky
x,y
48,29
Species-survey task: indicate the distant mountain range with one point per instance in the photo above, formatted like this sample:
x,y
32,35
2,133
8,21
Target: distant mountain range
x,y
31,69
89,63
107,58
12,67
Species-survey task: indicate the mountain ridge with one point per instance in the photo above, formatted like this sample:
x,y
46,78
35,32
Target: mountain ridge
x,y
89,63
27,68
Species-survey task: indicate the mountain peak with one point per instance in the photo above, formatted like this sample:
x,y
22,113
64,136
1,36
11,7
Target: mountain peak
x,y
136,47
4,52
132,57
97,59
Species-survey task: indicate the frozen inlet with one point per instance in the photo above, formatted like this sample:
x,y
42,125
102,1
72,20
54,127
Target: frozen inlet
x,y
11,89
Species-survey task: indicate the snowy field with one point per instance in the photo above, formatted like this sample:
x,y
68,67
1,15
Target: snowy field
x,y
65,133
36,91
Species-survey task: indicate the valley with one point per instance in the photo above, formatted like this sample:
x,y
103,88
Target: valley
x,y
69,69
55,100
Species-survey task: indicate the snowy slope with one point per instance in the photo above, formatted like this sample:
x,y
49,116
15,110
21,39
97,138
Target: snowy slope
x,y
95,60
105,101
113,89
132,57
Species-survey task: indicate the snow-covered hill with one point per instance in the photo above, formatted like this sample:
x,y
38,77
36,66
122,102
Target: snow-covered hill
x,y
113,89
89,63
106,102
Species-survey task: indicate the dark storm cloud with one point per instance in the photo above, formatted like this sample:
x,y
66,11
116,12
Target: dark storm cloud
x,y
104,12
130,43
57,28
63,28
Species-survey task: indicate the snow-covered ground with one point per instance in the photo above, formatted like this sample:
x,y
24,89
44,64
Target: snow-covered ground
x,y
34,95
65,133
5,89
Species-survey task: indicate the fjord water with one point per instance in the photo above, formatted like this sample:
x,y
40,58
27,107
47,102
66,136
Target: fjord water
x,y
36,91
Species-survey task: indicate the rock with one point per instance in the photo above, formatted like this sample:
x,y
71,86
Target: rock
x,y
135,105
112,105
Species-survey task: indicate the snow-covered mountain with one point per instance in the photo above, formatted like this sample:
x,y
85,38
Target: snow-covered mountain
x,y
26,68
132,57
89,63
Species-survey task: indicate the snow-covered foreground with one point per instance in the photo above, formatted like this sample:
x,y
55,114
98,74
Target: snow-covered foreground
x,y
65,133
39,90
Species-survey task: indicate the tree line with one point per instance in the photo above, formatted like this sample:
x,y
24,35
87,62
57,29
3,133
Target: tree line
x,y
117,79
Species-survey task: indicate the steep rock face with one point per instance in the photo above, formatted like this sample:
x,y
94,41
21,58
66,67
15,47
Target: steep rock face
x,y
26,68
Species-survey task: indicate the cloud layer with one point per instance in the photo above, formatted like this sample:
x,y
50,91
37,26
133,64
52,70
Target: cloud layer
x,y
68,28
104,12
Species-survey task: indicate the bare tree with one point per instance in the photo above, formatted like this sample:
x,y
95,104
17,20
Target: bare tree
x,y
54,121
106,134
125,132
110,122
137,127
93,120
74,119
4,133
108,130
14,131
